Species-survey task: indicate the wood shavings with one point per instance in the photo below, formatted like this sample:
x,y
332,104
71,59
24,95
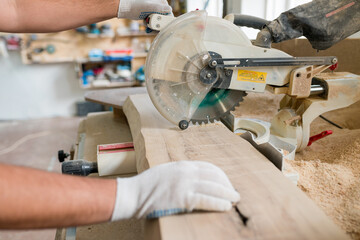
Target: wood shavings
x,y
330,175
330,169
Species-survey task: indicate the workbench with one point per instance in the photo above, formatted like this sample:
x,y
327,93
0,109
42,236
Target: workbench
x,y
273,206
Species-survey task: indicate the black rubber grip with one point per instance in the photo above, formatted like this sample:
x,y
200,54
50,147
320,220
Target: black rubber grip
x,y
250,21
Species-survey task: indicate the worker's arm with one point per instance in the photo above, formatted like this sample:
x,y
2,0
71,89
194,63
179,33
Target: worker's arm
x,y
323,22
31,198
57,15
35,199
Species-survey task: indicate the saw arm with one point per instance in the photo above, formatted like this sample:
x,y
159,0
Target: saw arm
x,y
226,68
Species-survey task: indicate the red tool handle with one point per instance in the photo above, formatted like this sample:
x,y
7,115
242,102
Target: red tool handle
x,y
319,136
333,67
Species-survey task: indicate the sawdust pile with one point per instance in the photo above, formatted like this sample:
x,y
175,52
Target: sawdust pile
x,y
330,168
262,106
330,175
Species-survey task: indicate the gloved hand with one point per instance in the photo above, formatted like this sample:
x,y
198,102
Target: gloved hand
x,y
174,188
140,9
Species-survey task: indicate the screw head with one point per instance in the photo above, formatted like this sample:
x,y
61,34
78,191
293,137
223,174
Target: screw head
x,y
157,25
334,61
159,18
209,75
228,73
183,124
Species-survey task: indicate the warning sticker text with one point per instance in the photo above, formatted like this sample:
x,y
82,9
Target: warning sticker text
x,y
251,76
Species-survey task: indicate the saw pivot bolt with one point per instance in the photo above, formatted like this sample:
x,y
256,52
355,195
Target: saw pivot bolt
x,y
208,75
183,124
213,63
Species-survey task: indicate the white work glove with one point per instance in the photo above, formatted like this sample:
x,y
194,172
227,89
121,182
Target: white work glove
x,y
173,188
140,9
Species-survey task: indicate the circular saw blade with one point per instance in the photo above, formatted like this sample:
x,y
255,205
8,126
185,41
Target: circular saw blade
x,y
177,57
216,104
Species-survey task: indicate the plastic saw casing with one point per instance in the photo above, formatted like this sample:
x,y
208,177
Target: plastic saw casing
x,y
182,49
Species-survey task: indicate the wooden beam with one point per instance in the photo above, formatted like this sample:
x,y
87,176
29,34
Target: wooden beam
x,y
276,209
113,97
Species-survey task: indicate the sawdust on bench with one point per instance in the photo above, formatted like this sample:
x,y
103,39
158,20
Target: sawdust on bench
x,y
330,175
330,168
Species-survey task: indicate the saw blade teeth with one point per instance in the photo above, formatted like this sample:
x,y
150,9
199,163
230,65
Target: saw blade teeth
x,y
219,103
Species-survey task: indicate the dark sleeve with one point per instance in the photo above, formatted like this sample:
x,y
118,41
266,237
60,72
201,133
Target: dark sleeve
x,y
322,22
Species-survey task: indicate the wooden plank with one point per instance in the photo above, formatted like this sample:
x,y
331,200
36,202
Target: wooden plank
x,y
276,208
113,97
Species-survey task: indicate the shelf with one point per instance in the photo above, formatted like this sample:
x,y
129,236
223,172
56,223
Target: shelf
x,y
140,55
71,46
136,34
87,60
110,85
44,60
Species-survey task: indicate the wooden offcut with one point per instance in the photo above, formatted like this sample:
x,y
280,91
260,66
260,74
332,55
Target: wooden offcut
x,y
113,97
275,208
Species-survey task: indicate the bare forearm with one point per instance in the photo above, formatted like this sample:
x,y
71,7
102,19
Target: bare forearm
x,y
35,199
55,15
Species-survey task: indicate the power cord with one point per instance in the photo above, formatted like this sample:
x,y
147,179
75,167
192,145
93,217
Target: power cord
x,y
332,123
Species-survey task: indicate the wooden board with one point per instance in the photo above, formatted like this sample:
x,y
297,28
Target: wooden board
x,y
276,208
113,97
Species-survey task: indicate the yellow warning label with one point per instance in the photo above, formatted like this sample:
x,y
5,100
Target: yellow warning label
x,y
251,76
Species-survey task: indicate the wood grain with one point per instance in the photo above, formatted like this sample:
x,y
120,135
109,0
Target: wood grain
x,y
276,208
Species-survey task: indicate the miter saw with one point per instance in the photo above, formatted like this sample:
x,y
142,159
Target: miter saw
x,y
199,69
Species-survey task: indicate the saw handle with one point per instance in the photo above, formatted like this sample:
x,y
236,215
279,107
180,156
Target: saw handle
x,y
242,20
